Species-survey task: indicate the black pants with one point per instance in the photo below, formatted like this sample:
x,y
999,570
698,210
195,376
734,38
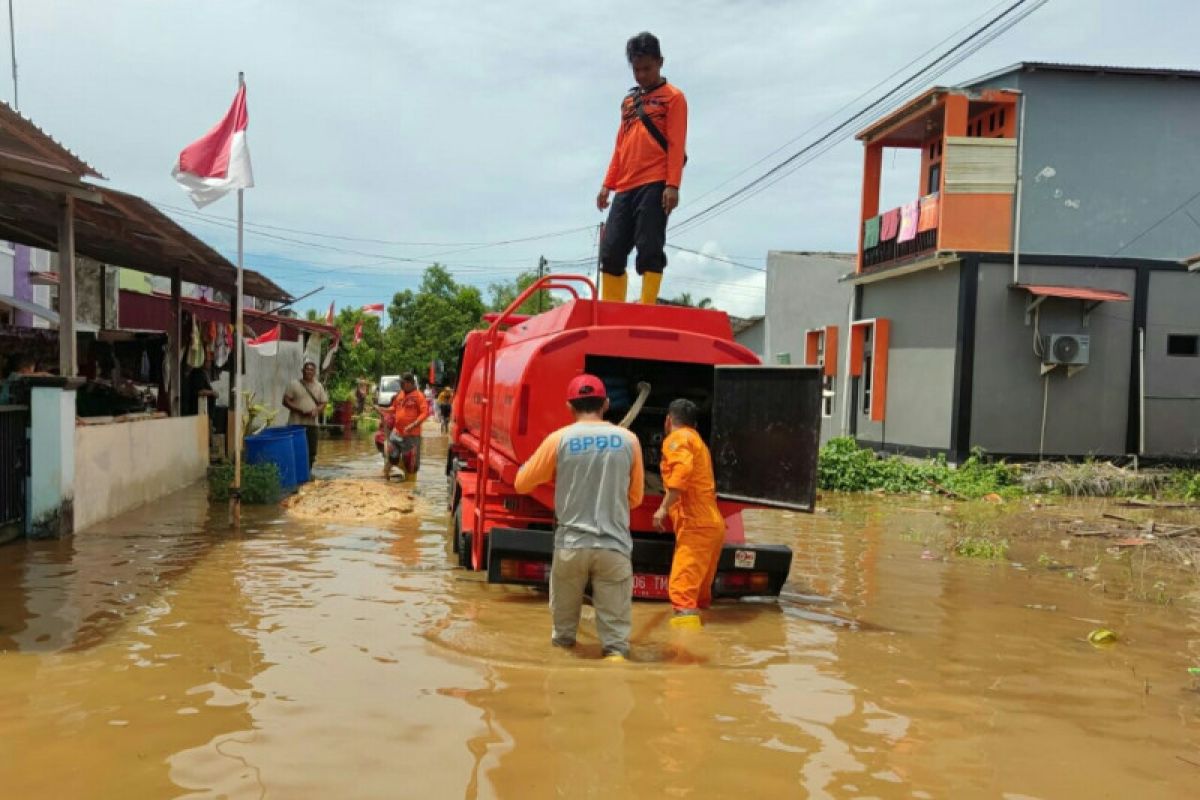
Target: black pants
x,y
636,218
310,432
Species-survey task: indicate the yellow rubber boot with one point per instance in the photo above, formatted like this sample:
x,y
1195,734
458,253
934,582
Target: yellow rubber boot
x,y
613,287
651,282
686,621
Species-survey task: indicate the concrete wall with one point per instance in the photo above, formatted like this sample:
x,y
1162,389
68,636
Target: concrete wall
x,y
125,465
1172,423
754,338
923,309
1105,159
804,290
1086,413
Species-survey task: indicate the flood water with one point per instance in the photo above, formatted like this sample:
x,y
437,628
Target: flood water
x,y
164,655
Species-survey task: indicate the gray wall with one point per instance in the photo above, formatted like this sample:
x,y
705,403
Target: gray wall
x,y
1172,421
754,338
1106,158
1086,413
805,290
923,309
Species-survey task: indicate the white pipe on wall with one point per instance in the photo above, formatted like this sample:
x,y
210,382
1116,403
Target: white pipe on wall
x,y
1016,245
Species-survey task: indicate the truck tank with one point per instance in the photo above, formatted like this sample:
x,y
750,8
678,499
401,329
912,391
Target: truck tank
x,y
762,424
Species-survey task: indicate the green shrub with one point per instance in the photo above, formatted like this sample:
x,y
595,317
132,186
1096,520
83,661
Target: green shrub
x,y
1186,484
260,483
981,547
846,467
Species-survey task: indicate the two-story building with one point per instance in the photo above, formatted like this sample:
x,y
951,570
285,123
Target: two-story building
x,y
1033,297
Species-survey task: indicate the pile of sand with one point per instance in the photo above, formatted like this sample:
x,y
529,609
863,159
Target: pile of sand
x,y
352,499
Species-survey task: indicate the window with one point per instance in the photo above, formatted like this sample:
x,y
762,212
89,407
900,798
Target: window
x,y
1001,122
1183,344
867,372
828,393
991,122
935,178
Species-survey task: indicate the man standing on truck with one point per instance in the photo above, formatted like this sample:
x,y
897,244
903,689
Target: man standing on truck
x,y
409,410
598,477
645,171
691,503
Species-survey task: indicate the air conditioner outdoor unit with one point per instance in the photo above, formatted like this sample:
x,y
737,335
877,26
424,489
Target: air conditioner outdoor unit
x,y
1065,348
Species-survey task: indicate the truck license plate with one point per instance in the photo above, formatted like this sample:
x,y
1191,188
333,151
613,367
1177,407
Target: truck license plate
x,y
650,587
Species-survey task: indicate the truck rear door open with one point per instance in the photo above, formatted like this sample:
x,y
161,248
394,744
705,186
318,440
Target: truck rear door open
x,y
766,429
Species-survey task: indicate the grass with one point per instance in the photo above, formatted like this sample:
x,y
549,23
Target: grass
x,y
845,467
260,483
981,547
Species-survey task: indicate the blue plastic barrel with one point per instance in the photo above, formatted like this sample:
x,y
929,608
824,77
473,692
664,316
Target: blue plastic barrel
x,y
275,447
299,450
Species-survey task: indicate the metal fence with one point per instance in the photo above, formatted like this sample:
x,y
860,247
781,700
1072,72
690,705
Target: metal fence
x,y
14,463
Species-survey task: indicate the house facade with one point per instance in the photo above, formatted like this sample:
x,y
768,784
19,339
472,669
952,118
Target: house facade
x,y
1032,298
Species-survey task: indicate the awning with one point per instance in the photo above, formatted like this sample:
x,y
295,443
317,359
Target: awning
x,y
48,314
153,312
1074,293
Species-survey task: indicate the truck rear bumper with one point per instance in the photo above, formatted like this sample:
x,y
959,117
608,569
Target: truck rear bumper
x,y
522,557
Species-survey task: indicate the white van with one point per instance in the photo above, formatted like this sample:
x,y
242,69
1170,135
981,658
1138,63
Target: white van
x,y
389,385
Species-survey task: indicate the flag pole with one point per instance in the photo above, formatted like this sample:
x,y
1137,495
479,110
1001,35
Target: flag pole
x,y
235,492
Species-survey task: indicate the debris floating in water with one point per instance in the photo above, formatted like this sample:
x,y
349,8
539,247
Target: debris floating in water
x,y
1102,636
349,499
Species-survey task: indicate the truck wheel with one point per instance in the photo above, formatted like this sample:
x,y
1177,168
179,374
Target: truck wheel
x,y
462,540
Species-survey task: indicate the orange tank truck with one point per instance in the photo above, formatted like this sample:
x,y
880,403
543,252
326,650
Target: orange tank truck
x,y
762,424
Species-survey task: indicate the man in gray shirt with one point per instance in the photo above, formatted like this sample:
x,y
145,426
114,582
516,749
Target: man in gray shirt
x,y
598,477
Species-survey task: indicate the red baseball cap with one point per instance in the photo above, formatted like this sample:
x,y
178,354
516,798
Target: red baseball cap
x,y
585,386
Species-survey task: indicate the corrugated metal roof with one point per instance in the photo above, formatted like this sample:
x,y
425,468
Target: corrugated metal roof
x,y
1074,292
1098,69
22,141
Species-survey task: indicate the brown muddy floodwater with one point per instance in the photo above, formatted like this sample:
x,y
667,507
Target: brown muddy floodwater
x,y
164,655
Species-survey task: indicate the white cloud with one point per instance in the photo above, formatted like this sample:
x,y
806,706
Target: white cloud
x,y
461,120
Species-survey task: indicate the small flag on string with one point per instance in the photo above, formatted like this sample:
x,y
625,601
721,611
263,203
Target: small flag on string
x,y
373,308
329,315
267,344
358,332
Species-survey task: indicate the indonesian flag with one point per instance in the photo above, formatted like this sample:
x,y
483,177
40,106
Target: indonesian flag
x,y
267,344
374,308
358,332
329,316
219,161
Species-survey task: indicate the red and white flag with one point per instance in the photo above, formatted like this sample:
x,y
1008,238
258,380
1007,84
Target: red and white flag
x,y
219,161
374,308
329,316
267,344
358,332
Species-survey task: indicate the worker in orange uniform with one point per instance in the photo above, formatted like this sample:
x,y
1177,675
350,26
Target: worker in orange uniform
x,y
691,503
409,409
645,171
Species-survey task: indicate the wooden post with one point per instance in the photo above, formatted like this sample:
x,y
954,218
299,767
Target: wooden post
x,y
175,356
67,358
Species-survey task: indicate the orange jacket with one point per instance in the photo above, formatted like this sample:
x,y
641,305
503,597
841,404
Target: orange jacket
x,y
637,158
686,466
409,408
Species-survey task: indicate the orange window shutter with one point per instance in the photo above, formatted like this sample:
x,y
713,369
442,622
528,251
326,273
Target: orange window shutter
x,y
879,368
831,350
811,345
857,334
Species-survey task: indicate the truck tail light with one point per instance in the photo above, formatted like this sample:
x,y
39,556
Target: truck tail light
x,y
518,570
743,582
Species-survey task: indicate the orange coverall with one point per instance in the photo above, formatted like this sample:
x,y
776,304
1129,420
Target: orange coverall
x,y
699,527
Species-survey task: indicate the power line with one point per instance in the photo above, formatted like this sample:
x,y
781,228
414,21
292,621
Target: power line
x,y
963,49
367,240
716,258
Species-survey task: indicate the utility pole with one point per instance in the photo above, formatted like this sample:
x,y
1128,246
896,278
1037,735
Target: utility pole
x,y
541,273
12,46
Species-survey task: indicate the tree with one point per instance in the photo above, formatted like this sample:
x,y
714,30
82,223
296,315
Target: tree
x,y
504,293
355,361
685,299
430,323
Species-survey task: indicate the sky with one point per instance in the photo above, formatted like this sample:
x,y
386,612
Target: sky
x,y
424,132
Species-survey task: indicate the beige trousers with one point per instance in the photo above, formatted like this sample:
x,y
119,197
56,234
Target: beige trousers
x,y
611,576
